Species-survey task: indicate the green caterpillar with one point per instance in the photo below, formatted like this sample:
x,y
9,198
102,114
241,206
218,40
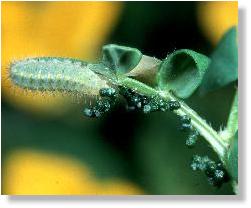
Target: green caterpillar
x,y
57,74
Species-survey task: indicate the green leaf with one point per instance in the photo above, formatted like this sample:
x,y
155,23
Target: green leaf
x,y
224,63
232,158
232,123
103,71
232,128
120,59
182,72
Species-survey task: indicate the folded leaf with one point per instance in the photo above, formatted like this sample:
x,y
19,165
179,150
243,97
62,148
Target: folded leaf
x,y
146,70
182,72
224,63
120,59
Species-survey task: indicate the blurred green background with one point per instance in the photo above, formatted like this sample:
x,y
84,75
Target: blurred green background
x,y
51,148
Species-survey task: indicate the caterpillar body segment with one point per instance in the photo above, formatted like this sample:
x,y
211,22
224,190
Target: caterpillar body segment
x,y
57,74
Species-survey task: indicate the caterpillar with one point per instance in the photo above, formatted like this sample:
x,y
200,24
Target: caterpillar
x,y
57,74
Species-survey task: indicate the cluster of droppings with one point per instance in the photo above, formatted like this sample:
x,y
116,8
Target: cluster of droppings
x,y
193,133
107,92
192,138
136,101
173,105
56,74
185,123
102,105
215,171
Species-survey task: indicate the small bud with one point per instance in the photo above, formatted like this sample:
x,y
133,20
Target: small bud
x,y
185,126
190,142
173,105
103,105
107,92
135,99
88,112
144,100
97,113
147,109
215,172
185,119
192,139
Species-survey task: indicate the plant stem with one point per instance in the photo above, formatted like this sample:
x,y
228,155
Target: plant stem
x,y
205,130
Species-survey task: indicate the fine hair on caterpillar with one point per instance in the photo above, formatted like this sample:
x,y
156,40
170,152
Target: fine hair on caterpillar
x,y
67,76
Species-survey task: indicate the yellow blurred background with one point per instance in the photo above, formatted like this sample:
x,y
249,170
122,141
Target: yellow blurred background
x,y
216,17
64,29
32,172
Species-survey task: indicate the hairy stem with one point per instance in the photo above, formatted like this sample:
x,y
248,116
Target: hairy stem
x,y
205,130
